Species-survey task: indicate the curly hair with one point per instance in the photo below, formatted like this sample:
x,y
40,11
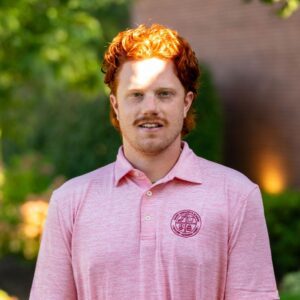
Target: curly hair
x,y
147,42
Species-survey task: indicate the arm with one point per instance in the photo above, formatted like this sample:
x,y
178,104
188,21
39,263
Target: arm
x,y
250,272
53,278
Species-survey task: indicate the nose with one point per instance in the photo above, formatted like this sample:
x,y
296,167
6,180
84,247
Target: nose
x,y
150,105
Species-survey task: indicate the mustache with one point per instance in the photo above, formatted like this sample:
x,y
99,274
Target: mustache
x,y
150,120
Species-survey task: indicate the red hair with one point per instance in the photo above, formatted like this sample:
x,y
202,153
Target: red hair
x,y
147,42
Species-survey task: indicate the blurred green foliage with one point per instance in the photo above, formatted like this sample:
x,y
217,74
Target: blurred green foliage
x,y
285,296
282,214
75,135
50,50
285,8
207,138
53,104
291,283
27,174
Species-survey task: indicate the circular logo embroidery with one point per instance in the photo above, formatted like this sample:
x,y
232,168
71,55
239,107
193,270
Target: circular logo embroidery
x,y
186,223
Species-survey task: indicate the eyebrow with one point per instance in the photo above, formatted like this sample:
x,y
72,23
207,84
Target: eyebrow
x,y
171,89
168,88
134,90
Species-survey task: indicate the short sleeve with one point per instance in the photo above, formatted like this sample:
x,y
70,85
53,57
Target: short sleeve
x,y
53,278
250,272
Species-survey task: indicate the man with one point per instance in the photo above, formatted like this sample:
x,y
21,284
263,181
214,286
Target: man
x,y
159,222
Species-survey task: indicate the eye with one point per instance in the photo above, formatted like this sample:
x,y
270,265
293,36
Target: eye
x,y
136,95
165,94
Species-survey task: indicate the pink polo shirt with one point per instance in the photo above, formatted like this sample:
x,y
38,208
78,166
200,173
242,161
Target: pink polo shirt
x,y
198,233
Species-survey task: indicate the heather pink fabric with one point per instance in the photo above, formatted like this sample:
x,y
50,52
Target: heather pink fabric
x,y
199,233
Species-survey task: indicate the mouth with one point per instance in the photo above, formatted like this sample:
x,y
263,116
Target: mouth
x,y
150,125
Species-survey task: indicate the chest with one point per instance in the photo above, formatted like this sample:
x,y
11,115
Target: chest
x,y
129,226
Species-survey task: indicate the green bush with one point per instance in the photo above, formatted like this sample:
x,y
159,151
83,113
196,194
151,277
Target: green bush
x,y
27,174
75,135
282,214
291,283
207,138
28,182
52,56
284,296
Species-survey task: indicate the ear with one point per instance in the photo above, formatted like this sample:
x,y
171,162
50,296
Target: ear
x,y
114,104
188,100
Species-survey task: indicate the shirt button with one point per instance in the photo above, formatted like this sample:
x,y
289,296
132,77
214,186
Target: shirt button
x,y
148,218
149,193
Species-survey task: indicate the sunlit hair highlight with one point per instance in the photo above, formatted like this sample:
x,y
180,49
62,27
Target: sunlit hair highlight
x,y
148,42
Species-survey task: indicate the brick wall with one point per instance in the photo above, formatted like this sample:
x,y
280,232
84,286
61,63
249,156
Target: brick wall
x,y
255,59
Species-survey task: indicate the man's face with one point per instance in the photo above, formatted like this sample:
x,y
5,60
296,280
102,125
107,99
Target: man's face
x,y
150,104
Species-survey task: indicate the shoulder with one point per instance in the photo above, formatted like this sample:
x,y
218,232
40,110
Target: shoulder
x,y
76,188
66,201
236,190
232,180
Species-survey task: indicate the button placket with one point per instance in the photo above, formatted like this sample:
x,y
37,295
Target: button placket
x,y
148,215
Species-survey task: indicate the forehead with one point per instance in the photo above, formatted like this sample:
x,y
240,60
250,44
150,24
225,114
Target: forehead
x,y
142,73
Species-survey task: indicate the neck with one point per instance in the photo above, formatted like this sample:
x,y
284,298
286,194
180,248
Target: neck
x,y
154,166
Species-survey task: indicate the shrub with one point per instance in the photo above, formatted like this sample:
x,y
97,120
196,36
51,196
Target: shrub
x,y
207,138
291,283
282,214
75,134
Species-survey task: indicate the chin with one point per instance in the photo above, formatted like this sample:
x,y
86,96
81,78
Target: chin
x,y
154,147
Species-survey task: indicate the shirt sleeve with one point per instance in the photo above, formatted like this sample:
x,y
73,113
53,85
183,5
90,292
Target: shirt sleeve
x,y
53,278
250,273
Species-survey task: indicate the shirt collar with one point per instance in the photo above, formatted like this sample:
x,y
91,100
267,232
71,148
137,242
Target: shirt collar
x,y
122,166
187,167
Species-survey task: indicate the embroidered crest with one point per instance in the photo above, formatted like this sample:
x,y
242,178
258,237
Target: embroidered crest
x,y
186,223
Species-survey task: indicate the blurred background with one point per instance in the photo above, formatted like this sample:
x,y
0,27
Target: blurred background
x,y
54,109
